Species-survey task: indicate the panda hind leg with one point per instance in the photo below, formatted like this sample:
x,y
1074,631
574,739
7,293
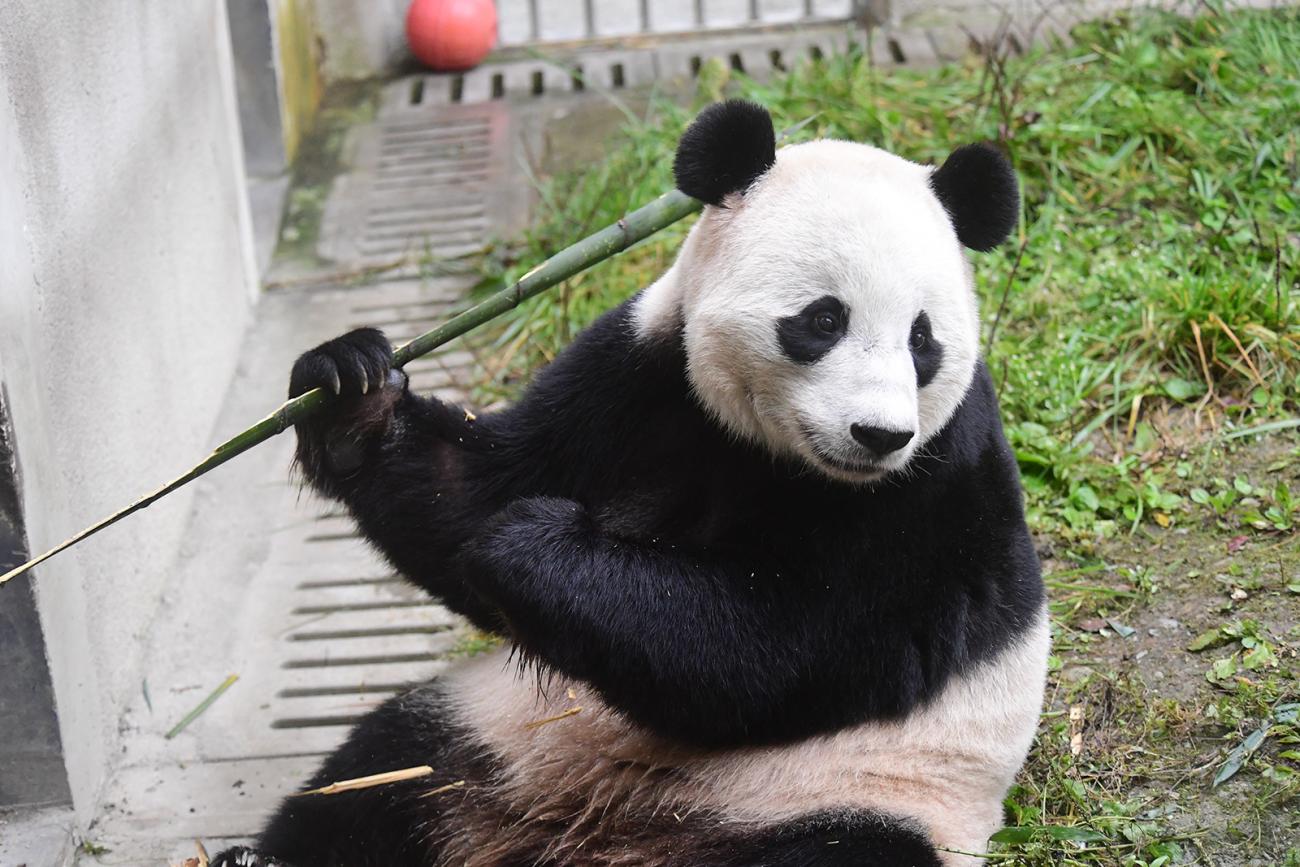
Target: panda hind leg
x,y
836,838
391,825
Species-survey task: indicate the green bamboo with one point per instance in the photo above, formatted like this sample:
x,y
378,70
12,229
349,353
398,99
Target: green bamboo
x,y
609,241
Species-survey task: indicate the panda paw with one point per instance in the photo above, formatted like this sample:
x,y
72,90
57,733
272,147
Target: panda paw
x,y
242,856
350,366
358,369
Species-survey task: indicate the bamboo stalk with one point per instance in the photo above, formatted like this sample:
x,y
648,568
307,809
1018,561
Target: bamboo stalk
x,y
538,723
609,241
373,780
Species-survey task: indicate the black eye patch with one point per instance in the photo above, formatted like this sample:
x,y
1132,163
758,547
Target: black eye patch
x,y
927,353
813,331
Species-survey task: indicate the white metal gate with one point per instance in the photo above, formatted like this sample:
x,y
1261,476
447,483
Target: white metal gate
x,y
524,22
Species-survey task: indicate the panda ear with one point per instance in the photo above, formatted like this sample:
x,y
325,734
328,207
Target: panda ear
x,y
978,188
724,150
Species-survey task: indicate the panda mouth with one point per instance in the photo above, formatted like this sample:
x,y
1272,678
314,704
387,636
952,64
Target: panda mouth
x,y
862,467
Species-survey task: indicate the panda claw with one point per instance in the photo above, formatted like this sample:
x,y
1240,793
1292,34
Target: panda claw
x,y
242,856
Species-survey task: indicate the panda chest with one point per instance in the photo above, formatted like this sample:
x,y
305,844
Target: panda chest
x,y
693,506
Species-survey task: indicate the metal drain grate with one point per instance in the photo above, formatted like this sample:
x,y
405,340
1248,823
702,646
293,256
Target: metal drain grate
x,y
758,53
427,185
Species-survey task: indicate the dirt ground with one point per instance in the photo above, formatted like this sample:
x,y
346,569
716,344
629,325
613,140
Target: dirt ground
x,y
1171,648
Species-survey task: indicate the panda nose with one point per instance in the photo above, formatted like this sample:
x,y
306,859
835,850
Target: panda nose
x,y
879,441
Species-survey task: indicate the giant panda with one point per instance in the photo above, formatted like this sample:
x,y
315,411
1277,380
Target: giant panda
x,y
755,539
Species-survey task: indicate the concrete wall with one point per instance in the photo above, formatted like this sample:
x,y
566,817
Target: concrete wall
x,y
360,40
297,66
126,281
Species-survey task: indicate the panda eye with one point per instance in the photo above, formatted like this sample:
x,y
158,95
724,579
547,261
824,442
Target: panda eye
x,y
918,340
826,323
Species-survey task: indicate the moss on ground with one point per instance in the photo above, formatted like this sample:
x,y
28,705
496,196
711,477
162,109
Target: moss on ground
x,y
320,159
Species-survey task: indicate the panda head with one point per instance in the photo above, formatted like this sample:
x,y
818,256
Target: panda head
x,y
826,302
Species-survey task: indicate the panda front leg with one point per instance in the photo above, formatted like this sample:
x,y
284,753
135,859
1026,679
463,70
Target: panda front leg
x,y
687,644
395,460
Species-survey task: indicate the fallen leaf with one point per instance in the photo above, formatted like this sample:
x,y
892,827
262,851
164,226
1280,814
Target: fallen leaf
x,y
1025,833
1076,729
1207,639
1236,543
1120,628
1162,519
1241,753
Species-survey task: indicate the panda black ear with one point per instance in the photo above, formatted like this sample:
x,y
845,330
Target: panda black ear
x,y
724,150
978,188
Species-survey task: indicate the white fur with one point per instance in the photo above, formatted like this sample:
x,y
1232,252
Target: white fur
x,y
945,768
830,218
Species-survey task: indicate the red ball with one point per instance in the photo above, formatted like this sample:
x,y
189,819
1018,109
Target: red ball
x,y
451,35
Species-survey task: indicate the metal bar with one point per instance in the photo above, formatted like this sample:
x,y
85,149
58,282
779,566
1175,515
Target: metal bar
x,y
589,17
534,22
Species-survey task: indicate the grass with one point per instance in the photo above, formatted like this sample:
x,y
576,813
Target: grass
x,y
1142,327
1152,278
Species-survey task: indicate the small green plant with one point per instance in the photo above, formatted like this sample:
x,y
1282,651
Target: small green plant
x,y
1251,650
474,642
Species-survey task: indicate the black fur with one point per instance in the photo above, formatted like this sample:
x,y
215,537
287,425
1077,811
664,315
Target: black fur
x,y
850,838
805,336
713,594
927,353
978,188
724,150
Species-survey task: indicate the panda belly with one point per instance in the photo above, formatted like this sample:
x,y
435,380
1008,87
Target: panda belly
x,y
566,761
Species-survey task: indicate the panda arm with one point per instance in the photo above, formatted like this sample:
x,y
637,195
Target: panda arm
x,y
421,477
674,640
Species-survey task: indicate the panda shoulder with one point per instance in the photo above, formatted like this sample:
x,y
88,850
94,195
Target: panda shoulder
x,y
612,356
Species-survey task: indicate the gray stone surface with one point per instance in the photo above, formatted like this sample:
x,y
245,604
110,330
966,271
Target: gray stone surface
x,y
126,282
256,86
36,838
428,183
